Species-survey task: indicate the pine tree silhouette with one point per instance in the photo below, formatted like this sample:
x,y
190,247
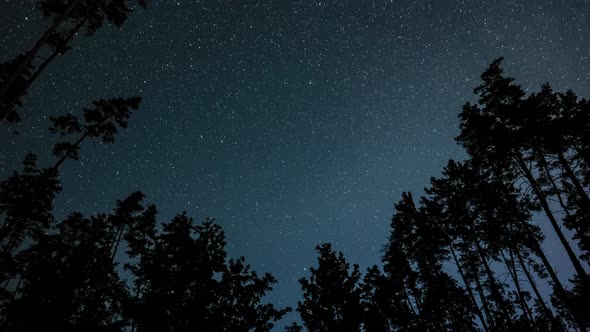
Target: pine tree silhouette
x,y
493,134
100,123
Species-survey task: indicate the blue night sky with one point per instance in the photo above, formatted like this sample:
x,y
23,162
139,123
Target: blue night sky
x,y
291,122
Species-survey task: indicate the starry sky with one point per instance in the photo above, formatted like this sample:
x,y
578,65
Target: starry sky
x,y
290,122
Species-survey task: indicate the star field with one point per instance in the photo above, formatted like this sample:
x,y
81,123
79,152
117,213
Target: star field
x,y
290,122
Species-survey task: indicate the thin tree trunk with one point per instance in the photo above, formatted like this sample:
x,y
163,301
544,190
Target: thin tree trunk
x,y
494,287
30,55
119,236
42,67
468,288
539,251
543,200
533,285
67,154
572,176
514,275
415,292
554,186
78,142
561,293
484,302
137,292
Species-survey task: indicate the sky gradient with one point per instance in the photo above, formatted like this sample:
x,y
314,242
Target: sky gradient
x,y
290,122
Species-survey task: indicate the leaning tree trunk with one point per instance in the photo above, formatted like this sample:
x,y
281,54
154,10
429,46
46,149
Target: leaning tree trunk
x,y
13,100
561,293
510,265
484,302
30,55
543,201
554,186
533,285
572,176
494,287
469,290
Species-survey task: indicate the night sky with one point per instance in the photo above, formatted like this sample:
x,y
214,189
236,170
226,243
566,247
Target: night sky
x,y
290,122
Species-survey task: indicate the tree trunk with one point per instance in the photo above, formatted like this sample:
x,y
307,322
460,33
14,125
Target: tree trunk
x,y
558,286
67,154
572,176
484,302
494,287
469,290
119,236
543,200
42,67
30,55
533,285
554,186
514,275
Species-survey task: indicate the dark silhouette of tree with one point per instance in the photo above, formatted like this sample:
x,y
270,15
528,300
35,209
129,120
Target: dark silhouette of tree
x,y
68,19
16,91
116,272
331,295
26,204
100,123
418,234
69,282
69,279
385,305
501,135
474,209
26,199
540,141
187,284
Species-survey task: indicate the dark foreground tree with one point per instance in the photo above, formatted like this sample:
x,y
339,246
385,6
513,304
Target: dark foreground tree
x,y
189,285
331,295
69,278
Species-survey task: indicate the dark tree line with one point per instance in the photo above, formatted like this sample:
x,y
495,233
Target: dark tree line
x,y
114,271
466,256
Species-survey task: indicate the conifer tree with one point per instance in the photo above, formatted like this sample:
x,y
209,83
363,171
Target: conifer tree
x,y
100,122
331,295
496,136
